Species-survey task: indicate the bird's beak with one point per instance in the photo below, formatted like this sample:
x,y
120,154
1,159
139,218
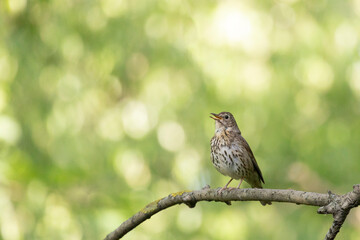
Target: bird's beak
x,y
215,116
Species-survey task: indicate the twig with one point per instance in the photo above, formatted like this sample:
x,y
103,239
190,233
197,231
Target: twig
x,y
337,205
340,207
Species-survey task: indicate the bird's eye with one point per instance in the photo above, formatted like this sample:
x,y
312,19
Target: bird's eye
x,y
226,117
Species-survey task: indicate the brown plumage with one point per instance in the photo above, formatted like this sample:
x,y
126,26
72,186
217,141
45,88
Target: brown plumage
x,y
231,154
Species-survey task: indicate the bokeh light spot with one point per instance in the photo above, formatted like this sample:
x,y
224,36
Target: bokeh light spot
x,y
308,102
256,77
171,136
232,24
284,16
187,166
356,6
8,66
49,78
156,26
135,119
58,220
68,87
158,223
65,117
10,229
189,220
95,19
72,47
301,174
132,166
107,219
57,215
315,72
346,38
157,81
36,193
109,126
9,130
235,25
283,40
9,224
113,8
227,224
16,6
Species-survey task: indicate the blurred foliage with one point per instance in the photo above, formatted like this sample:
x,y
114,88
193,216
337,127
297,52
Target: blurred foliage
x,y
104,107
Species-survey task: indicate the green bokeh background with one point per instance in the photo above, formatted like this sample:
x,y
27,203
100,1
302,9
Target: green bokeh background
x,y
104,107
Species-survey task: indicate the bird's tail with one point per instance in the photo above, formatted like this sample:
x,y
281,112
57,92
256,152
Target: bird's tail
x,y
264,203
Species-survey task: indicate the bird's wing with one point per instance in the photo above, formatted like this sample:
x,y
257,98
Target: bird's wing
x,y
244,143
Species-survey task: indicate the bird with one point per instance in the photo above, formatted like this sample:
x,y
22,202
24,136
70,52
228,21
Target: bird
x,y
231,155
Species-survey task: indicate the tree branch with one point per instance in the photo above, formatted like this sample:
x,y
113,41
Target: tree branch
x,y
340,207
331,203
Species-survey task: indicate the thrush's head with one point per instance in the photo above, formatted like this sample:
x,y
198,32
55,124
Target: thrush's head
x,y
225,121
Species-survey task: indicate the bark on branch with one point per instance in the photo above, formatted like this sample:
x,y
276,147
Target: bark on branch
x,y
337,205
340,207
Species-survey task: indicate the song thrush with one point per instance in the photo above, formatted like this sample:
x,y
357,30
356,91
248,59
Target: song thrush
x,y
231,154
